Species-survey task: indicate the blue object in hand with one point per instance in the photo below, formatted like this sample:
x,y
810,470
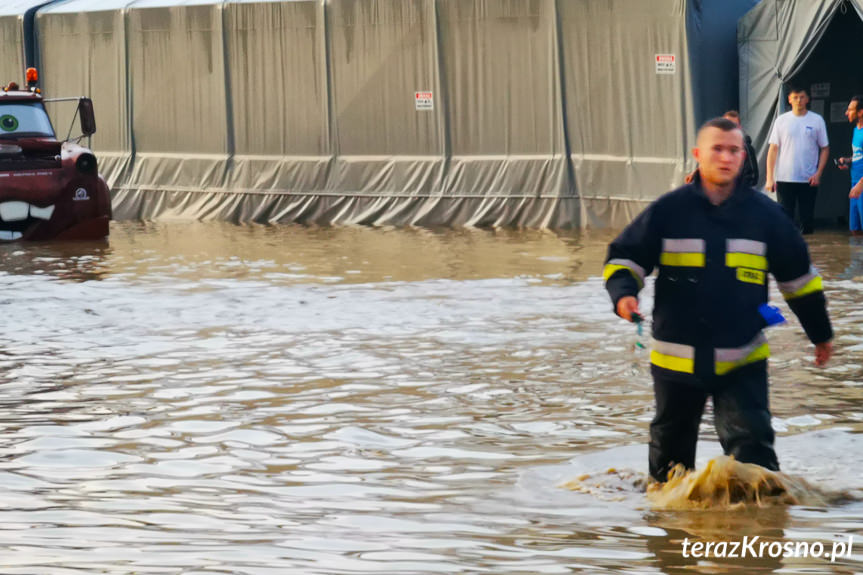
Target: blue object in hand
x,y
771,314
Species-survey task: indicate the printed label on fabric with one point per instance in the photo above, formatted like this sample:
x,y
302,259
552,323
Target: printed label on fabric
x,y
751,276
666,64
424,100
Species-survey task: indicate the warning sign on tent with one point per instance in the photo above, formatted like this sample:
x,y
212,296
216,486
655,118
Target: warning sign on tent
x,y
666,64
424,100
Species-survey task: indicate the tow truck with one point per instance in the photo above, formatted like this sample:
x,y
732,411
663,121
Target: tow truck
x,y
50,189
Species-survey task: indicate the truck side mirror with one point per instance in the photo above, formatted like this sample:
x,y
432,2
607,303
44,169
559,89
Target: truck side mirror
x,y
88,118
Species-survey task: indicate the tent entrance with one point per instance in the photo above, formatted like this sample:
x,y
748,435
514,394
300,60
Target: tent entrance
x,y
832,74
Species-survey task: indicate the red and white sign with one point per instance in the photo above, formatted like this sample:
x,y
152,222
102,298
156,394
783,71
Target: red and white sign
x,y
666,64
424,100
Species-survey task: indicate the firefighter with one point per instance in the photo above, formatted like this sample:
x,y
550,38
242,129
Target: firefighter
x,y
713,242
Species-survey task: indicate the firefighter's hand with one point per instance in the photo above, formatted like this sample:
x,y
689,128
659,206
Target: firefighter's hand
x,y
843,163
815,181
856,191
823,352
770,185
626,306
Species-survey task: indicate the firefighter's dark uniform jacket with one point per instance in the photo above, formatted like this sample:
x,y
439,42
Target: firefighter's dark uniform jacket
x,y
713,263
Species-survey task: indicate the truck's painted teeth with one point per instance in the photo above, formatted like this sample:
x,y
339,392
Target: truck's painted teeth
x,y
41,213
17,211
14,211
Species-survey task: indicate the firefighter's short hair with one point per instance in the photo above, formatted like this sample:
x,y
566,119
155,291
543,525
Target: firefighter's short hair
x,y
722,123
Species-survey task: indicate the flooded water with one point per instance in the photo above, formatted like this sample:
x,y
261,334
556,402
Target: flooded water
x,y
211,399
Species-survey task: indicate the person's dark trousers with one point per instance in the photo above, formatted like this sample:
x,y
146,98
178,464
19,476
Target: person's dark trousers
x,y
802,195
741,415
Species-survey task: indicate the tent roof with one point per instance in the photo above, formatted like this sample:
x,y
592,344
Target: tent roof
x,y
170,3
267,1
75,6
19,7
796,25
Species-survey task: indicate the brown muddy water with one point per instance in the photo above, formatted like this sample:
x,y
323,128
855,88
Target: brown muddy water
x,y
216,399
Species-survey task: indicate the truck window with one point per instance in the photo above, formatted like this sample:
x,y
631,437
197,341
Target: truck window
x,y
24,119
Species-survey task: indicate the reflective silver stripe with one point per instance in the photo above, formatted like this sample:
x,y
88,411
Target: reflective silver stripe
x,y
639,271
796,284
673,349
735,354
746,247
683,246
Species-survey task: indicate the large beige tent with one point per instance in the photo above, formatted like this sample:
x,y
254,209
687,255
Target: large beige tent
x,y
540,113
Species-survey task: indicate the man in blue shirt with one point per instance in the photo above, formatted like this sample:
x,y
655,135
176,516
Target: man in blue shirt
x,y
854,113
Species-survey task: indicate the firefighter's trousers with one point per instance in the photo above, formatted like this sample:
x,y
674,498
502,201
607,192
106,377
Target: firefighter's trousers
x,y
741,416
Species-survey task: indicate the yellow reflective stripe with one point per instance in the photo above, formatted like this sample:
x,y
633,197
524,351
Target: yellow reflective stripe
x,y
691,260
683,252
757,354
683,364
633,266
741,260
813,285
794,288
611,269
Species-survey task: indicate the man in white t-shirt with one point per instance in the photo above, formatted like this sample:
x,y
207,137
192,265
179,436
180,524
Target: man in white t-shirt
x,y
796,158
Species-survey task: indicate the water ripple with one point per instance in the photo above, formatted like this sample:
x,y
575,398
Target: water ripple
x,y
210,399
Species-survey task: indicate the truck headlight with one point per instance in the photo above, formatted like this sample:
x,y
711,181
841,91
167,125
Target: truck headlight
x,y
86,163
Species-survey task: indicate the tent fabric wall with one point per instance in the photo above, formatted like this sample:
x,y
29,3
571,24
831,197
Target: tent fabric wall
x,y
178,88
630,128
83,54
325,209
502,98
381,53
12,49
545,113
13,38
277,79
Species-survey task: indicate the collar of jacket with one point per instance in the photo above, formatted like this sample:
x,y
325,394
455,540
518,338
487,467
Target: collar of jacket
x,y
740,190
